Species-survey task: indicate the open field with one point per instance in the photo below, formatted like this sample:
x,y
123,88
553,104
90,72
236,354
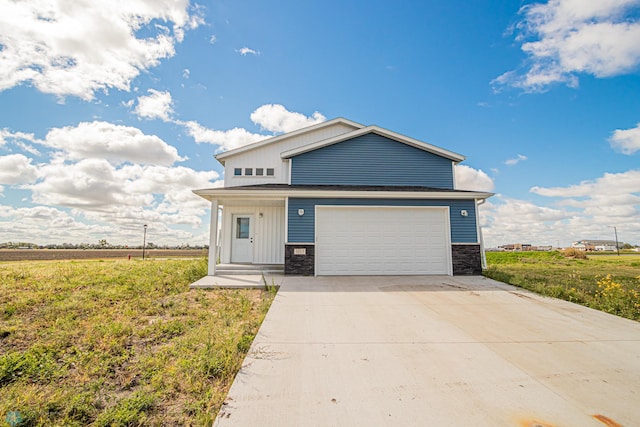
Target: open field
x,y
605,282
50,254
117,342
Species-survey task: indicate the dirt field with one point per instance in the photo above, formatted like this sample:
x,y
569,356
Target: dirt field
x,y
47,254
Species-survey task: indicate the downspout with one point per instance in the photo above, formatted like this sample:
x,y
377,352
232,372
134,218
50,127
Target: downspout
x,y
481,238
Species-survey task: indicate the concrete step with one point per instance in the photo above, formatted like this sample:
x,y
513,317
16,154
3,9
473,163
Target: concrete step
x,y
248,269
246,272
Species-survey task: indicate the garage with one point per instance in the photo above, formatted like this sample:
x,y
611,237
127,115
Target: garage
x,y
382,240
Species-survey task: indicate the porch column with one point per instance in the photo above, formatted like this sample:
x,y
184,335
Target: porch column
x,y
213,238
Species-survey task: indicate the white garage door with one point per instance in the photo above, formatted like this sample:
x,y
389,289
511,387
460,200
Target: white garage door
x,y
375,240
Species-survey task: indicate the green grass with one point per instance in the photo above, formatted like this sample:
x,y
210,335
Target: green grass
x,y
608,283
119,343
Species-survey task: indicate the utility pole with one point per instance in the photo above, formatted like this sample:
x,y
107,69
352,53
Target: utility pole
x,y
615,230
144,240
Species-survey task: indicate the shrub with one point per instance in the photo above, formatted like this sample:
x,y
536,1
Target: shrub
x,y
574,253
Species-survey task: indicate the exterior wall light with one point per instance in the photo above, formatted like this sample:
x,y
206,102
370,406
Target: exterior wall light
x,y
464,213
300,212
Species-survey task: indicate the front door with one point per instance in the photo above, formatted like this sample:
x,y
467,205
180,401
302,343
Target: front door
x,y
242,240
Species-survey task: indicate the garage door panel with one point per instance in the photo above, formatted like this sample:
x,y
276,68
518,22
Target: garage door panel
x,y
382,240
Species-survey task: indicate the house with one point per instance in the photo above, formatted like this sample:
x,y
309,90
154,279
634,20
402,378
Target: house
x,y
341,198
596,245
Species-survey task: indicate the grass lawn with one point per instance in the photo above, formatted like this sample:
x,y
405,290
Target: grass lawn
x,y
119,343
605,282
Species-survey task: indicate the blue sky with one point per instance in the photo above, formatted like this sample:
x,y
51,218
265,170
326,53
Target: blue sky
x,y
111,112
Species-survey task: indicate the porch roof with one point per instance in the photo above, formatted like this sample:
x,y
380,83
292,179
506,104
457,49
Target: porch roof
x,y
282,191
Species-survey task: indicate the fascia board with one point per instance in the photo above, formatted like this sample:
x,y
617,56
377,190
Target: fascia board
x,y
210,194
379,131
222,156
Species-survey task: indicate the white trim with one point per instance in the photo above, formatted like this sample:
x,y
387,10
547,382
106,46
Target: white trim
x,y
299,243
229,193
213,239
290,161
222,156
286,220
453,173
379,131
315,240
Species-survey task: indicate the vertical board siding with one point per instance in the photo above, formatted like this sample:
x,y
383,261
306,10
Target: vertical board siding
x,y
269,236
302,228
268,233
372,159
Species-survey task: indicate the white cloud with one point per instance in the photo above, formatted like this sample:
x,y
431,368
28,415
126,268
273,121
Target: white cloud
x,y
276,118
626,141
226,140
123,197
468,178
157,105
580,211
115,143
186,73
98,186
16,169
7,135
78,48
568,37
512,162
213,39
245,51
608,185
270,117
506,220
60,226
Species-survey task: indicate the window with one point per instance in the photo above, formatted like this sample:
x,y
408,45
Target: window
x,y
250,172
242,228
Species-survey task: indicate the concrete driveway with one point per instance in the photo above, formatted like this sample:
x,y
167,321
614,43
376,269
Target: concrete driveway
x,y
434,351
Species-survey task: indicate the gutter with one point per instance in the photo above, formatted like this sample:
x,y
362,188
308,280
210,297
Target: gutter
x,y
483,256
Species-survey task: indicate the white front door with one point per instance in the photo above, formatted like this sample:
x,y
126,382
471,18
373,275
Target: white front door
x,y
242,239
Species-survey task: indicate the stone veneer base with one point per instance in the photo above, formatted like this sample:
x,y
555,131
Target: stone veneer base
x,y
301,265
467,260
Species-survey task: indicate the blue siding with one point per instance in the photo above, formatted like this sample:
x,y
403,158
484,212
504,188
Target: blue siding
x,y
372,160
302,228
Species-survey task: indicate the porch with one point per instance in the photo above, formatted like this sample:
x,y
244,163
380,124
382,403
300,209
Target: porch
x,y
251,238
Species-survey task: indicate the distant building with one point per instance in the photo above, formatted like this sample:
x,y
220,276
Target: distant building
x,y
523,247
596,245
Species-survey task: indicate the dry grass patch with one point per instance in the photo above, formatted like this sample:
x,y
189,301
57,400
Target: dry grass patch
x,y
119,342
606,282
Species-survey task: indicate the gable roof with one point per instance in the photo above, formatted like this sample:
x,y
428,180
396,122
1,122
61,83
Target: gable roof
x,y
379,131
222,156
